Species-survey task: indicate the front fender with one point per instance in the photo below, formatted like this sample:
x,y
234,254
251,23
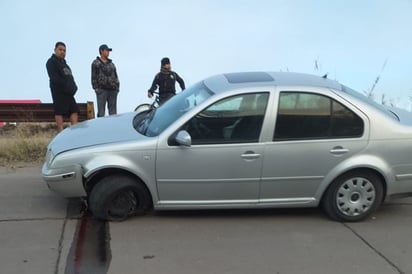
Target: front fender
x,y
143,168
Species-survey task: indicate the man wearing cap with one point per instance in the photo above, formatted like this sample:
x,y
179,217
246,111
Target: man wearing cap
x,y
105,82
166,81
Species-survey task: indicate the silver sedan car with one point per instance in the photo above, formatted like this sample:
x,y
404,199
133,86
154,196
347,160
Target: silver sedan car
x,y
240,140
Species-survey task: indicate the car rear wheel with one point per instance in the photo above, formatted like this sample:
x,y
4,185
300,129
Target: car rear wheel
x,y
117,197
353,196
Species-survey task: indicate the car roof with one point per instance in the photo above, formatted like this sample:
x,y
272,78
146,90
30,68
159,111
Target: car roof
x,y
228,81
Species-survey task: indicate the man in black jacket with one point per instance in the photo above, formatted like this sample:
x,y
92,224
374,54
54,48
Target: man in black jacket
x,y
166,81
62,86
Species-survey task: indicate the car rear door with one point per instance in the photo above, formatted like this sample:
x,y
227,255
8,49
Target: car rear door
x,y
313,134
223,165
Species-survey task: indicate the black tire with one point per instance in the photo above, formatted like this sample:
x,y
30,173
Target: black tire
x,y
117,197
353,196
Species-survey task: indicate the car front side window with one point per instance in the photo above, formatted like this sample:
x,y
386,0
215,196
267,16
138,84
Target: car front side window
x,y
313,116
236,119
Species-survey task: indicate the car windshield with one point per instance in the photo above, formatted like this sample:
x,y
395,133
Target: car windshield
x,y
369,101
152,122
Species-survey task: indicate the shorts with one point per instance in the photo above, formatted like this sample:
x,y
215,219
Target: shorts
x,y
64,104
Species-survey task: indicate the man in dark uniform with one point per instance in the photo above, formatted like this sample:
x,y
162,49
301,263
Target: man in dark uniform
x,y
62,87
166,81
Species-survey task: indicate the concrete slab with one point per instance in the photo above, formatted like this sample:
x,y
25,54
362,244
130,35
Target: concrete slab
x,y
303,242
24,195
35,237
390,232
29,246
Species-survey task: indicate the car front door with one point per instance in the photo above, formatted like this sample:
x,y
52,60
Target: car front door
x,y
223,164
312,135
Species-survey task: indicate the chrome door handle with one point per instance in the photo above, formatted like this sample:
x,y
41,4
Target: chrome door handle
x,y
250,155
339,150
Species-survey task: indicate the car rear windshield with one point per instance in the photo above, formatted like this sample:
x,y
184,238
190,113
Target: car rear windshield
x,y
369,101
151,123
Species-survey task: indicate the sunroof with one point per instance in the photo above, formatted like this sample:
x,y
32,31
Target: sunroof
x,y
245,77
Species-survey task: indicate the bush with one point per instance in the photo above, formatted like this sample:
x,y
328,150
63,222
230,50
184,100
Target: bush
x,y
25,143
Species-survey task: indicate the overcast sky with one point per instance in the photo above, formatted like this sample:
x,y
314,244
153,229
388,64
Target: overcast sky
x,y
349,39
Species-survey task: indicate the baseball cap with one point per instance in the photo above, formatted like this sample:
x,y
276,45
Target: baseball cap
x,y
104,47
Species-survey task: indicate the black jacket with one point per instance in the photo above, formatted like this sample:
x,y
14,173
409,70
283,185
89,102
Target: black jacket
x,y
61,78
166,82
104,75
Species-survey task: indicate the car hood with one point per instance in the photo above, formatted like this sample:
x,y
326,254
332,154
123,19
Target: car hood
x,y
105,130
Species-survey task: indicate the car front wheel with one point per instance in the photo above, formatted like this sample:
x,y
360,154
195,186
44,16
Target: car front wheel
x,y
117,197
353,196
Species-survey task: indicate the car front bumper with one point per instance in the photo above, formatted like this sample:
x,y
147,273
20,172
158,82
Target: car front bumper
x,y
66,181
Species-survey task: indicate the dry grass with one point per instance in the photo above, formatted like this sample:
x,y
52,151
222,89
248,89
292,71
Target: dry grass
x,y
25,143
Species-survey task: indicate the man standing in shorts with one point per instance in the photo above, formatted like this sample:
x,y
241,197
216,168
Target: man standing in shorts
x,y
62,87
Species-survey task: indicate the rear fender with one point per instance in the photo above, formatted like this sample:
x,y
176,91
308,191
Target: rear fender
x,y
370,162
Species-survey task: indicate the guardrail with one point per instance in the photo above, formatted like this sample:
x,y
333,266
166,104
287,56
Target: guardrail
x,y
42,112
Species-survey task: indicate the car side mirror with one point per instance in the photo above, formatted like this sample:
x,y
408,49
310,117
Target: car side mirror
x,y
183,138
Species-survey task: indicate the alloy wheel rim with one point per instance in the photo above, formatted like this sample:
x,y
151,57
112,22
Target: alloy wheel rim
x,y
355,196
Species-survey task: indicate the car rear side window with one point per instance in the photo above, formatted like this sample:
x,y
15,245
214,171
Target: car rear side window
x,y
236,119
304,116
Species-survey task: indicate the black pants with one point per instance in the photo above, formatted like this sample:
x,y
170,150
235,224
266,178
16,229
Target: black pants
x,y
164,96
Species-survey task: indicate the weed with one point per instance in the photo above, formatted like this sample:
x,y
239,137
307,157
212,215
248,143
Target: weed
x,y
24,143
